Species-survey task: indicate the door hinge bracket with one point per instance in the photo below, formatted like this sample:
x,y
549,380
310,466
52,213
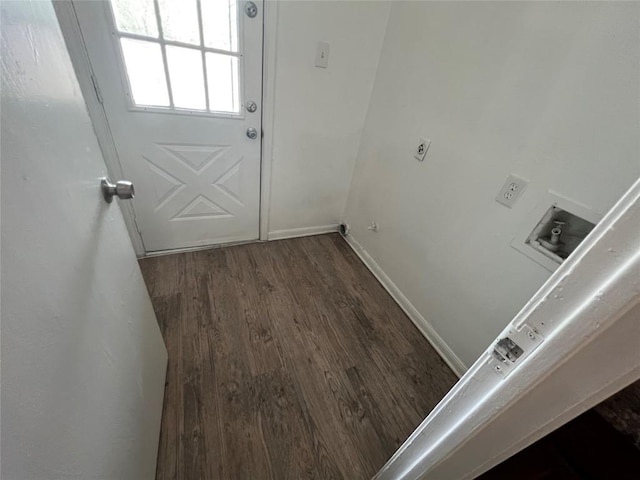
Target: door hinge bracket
x,y
510,349
96,88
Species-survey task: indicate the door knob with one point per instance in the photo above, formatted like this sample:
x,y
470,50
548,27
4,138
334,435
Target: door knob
x,y
252,133
122,189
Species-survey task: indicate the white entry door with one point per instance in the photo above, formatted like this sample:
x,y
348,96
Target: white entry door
x,y
83,361
181,82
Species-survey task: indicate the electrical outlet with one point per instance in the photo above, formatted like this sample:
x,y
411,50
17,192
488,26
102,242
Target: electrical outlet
x,y
421,149
511,191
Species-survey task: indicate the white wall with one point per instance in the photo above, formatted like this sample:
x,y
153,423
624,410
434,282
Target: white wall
x,y
548,91
83,361
319,113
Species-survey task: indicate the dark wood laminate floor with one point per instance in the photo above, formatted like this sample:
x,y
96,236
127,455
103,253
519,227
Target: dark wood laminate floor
x,y
287,360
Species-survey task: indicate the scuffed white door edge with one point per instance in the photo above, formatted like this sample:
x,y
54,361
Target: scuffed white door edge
x,y
587,295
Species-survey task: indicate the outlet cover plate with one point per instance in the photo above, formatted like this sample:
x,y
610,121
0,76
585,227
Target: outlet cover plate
x,y
511,191
422,149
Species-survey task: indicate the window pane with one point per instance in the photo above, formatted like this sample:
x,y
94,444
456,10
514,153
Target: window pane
x,y
187,79
222,79
145,70
135,16
180,21
220,24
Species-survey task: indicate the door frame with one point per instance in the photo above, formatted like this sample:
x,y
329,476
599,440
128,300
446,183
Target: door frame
x,y
579,338
269,62
74,41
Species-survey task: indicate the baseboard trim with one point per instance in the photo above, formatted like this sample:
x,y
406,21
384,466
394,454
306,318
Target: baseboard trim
x,y
197,248
301,232
447,354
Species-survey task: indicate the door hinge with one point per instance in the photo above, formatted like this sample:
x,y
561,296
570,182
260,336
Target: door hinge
x,y
96,88
510,350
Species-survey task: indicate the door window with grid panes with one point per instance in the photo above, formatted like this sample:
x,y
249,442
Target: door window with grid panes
x,y
180,55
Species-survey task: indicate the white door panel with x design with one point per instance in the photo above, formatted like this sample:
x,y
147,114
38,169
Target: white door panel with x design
x,y
175,88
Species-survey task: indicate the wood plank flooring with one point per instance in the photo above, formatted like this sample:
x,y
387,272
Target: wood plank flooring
x,y
287,360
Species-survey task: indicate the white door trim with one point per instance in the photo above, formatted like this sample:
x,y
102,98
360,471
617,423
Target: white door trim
x,y
82,66
587,316
269,57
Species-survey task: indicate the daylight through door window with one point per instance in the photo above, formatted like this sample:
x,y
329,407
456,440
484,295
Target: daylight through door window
x,y
180,55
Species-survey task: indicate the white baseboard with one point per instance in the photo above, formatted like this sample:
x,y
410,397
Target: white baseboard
x,y
173,251
301,232
447,354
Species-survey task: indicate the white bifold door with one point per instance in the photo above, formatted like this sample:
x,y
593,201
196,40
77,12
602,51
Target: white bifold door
x,y
180,82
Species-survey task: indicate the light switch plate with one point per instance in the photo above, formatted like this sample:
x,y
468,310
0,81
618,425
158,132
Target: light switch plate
x,y
322,55
422,149
511,191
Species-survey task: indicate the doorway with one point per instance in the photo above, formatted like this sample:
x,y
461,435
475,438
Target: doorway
x,y
180,86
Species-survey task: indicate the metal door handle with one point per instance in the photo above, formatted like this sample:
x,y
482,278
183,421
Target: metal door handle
x,y
122,189
252,133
